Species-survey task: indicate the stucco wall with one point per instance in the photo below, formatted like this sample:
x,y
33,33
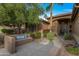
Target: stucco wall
x,y
76,26
45,26
55,27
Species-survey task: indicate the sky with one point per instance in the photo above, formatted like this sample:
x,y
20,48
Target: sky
x,y
59,9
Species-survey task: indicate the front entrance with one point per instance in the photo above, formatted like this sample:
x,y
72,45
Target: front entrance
x,y
64,27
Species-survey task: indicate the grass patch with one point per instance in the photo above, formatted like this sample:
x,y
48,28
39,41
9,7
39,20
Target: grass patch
x,y
74,51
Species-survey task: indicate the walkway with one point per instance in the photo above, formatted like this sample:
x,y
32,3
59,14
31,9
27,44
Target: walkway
x,y
38,49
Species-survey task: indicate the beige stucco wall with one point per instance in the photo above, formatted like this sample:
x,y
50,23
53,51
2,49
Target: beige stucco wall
x,y
55,26
76,26
45,26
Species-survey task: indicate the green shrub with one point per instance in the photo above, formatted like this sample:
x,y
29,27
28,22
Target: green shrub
x,y
50,36
7,31
68,36
74,51
37,35
45,33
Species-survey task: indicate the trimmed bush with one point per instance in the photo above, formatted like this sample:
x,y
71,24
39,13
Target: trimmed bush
x,y
50,36
37,35
7,31
68,36
45,33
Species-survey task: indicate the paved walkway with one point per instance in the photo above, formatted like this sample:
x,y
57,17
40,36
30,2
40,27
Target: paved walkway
x,y
38,49
30,49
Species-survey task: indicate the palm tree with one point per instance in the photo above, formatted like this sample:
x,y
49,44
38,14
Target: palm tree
x,y
50,8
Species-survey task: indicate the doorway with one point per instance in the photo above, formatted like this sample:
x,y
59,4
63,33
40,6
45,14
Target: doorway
x,y
64,26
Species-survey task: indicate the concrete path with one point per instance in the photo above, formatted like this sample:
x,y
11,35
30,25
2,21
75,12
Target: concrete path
x,y
38,49
30,49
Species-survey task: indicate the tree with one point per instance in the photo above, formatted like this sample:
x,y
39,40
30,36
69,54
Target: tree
x,y
34,11
18,14
50,8
15,14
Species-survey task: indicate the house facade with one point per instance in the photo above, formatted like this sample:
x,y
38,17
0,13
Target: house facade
x,y
61,23
75,21
66,23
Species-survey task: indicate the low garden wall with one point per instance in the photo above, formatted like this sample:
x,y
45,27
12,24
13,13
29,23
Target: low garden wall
x,y
11,42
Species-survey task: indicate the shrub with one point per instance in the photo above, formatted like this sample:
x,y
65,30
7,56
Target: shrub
x,y
31,34
45,33
68,36
50,36
37,35
7,31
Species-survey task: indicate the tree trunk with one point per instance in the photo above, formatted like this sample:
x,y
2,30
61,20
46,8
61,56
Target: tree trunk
x,y
19,29
13,27
41,34
51,21
51,18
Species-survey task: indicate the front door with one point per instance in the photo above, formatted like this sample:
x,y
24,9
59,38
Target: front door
x,y
64,28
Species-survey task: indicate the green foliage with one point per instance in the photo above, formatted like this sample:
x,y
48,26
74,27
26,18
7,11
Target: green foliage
x,y
74,51
68,36
37,35
50,36
10,13
45,33
20,13
34,11
7,31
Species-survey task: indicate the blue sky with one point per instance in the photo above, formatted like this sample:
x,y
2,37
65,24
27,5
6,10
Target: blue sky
x,y
59,9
